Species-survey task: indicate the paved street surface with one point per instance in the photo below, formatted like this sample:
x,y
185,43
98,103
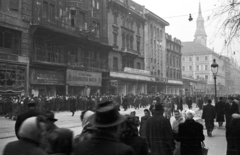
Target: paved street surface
x,y
217,144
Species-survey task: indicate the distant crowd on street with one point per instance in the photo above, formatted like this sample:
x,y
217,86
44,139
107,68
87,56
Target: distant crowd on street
x,y
107,132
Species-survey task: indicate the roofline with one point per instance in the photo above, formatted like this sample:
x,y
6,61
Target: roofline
x,y
150,13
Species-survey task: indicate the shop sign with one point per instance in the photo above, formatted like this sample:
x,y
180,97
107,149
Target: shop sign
x,y
83,78
175,82
47,77
160,79
131,76
136,71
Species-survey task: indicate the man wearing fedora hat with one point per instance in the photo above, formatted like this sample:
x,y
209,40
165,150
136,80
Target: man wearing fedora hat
x,y
159,133
32,111
230,108
50,126
106,141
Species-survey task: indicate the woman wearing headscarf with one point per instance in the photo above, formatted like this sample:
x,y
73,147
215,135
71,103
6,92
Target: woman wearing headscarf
x,y
129,136
30,134
87,129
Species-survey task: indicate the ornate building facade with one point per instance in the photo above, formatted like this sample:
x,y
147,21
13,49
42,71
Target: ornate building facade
x,y
126,60
155,50
173,65
69,50
14,45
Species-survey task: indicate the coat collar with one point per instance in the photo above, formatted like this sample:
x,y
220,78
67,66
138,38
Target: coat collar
x,y
105,136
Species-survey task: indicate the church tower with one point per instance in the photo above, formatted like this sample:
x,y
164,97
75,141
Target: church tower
x,y
200,34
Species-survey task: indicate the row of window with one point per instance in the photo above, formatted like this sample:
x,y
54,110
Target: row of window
x,y
156,33
125,63
198,68
13,4
10,40
205,77
185,59
174,74
173,61
62,53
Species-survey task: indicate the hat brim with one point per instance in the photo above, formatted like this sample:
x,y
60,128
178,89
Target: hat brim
x,y
52,119
93,122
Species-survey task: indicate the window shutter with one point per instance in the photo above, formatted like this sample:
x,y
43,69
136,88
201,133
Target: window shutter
x,y
14,5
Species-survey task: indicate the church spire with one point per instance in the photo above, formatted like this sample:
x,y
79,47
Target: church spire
x,y
199,9
200,34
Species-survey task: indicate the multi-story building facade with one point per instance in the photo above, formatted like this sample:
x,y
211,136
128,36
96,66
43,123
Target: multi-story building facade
x,y
14,45
69,47
196,63
155,50
126,61
173,65
235,74
197,59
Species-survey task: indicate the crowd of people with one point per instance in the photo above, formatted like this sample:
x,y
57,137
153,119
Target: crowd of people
x,y
11,106
107,132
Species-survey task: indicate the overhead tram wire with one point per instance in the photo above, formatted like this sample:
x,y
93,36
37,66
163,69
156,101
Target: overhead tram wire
x,y
186,15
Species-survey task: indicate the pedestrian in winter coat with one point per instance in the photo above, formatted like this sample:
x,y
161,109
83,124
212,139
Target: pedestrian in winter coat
x,y
159,133
22,117
220,108
230,108
175,127
209,115
107,120
190,135
129,136
189,102
29,138
73,102
233,137
180,104
143,124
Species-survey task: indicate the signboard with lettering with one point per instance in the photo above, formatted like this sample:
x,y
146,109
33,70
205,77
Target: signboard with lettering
x,y
83,78
132,76
175,82
136,71
38,76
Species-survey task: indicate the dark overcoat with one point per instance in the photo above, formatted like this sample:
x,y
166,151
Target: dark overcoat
x,y
229,110
23,147
102,144
139,144
143,126
220,107
159,135
209,115
190,135
73,102
180,104
233,137
22,117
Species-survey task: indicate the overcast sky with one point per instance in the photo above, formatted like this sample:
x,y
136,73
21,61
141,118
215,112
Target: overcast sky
x,y
173,11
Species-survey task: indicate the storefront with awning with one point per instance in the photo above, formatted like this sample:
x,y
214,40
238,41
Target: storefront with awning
x,y
131,81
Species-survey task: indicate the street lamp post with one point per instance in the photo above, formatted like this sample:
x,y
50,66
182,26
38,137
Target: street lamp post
x,y
214,68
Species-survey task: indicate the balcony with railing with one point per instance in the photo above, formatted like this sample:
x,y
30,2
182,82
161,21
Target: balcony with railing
x,y
81,30
88,63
